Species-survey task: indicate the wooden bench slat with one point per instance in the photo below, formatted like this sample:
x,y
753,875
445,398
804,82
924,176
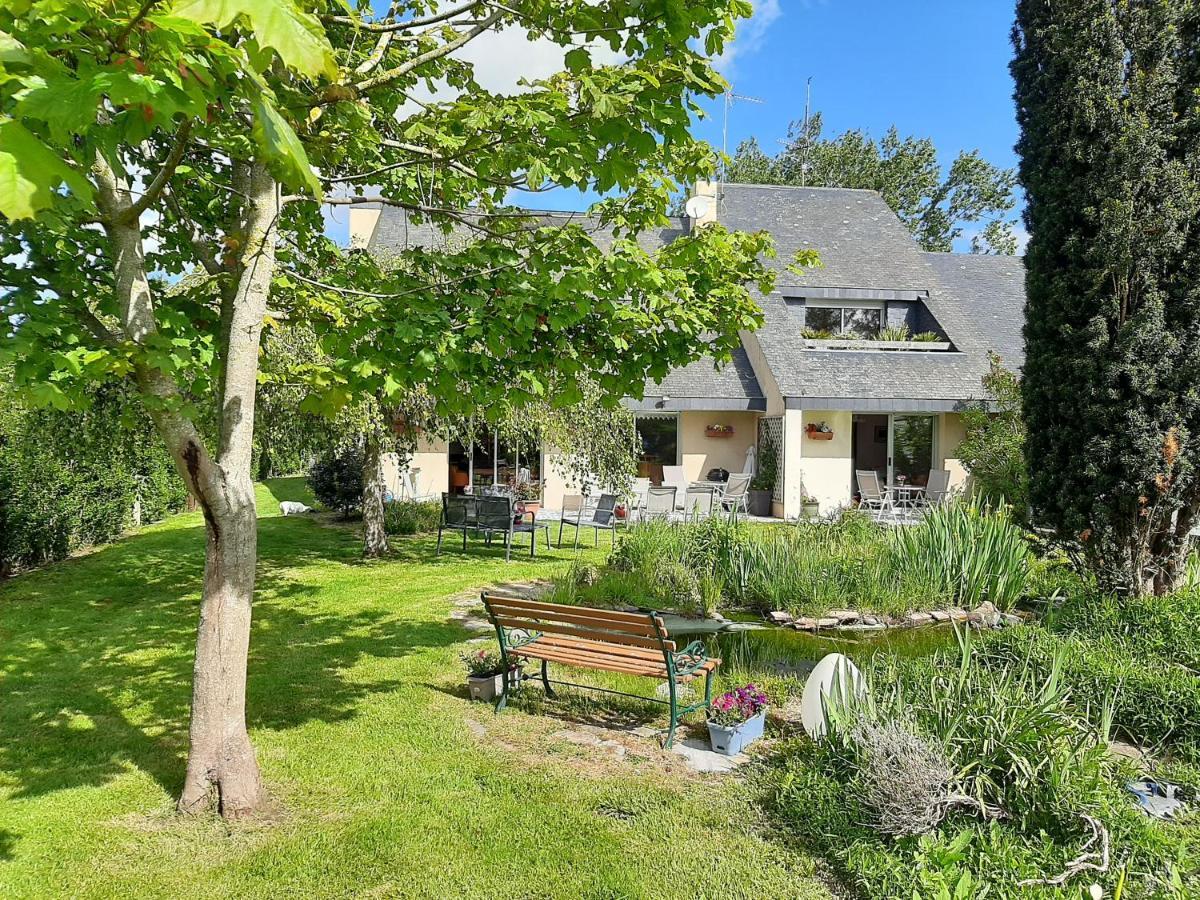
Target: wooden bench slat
x,y
594,661
600,662
642,620
642,629
579,631
585,644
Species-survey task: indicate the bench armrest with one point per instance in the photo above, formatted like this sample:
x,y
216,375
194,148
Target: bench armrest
x,y
690,659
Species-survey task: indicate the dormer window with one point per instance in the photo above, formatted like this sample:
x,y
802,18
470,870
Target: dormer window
x,y
862,319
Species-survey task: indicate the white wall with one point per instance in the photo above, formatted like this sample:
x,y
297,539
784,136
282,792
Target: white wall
x,y
698,452
432,461
826,467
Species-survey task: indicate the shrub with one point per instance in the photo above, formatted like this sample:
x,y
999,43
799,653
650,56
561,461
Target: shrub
x,y
336,479
965,551
677,586
994,447
412,517
68,480
1011,735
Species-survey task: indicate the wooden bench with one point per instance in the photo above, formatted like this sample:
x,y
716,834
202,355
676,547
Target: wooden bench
x,y
629,643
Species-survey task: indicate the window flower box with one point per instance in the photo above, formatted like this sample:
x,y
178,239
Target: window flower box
x,y
843,344
718,431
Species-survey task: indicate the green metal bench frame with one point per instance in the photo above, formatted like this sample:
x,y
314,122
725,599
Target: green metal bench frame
x,y
680,664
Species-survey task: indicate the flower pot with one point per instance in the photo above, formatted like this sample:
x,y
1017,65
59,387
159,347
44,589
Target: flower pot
x,y
821,435
489,687
810,510
759,503
730,740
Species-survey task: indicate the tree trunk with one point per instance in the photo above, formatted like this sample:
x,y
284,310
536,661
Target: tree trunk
x,y
375,542
222,770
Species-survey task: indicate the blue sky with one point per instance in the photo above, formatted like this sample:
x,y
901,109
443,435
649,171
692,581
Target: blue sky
x,y
934,68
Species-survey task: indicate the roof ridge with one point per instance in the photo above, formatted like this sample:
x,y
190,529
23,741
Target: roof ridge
x,y
797,187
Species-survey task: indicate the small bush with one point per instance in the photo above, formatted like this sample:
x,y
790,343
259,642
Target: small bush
x,y
676,586
411,517
336,480
967,552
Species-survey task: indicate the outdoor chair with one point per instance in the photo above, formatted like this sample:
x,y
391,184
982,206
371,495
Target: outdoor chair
x,y
601,517
736,496
637,500
497,516
937,488
660,503
699,502
458,514
873,498
490,516
673,477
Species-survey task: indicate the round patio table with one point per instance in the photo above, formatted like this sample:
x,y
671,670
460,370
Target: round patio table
x,y
907,495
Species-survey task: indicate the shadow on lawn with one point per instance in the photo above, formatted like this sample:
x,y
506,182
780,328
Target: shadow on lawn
x,y
96,653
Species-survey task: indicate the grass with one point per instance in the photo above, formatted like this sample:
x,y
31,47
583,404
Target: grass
x,y
380,783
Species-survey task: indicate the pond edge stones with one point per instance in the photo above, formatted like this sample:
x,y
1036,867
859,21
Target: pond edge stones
x,y
985,615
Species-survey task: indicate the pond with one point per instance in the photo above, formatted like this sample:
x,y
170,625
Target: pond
x,y
754,646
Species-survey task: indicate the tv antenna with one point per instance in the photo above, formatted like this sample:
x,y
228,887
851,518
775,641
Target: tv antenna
x,y
730,98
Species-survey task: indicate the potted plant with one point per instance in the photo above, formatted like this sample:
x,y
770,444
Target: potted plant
x,y
762,485
735,719
527,492
485,674
810,507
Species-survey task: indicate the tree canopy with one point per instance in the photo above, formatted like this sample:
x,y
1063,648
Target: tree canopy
x,y
1108,99
142,141
938,206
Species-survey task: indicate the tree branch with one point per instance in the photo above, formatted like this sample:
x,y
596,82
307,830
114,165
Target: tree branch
x,y
165,171
389,27
383,79
204,248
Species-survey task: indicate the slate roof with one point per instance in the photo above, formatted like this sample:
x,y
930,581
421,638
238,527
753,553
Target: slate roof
x,y
990,290
397,231
978,302
864,246
701,385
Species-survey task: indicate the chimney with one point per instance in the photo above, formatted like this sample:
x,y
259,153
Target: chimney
x,y
702,205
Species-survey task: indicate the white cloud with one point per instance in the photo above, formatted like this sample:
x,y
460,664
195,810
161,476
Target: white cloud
x,y
750,36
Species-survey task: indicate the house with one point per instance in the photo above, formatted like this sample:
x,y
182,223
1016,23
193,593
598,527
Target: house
x,y
863,363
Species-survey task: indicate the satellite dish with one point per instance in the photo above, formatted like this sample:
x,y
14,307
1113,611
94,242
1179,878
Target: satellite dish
x,y
698,207
834,680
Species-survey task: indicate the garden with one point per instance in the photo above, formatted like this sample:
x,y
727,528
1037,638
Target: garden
x,y
986,756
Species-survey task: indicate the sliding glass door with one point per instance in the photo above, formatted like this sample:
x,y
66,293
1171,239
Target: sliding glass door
x,y
911,449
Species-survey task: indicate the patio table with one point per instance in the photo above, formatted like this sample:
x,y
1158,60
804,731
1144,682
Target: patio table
x,y
907,496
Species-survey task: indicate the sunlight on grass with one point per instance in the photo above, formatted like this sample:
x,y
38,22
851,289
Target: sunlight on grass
x,y
367,741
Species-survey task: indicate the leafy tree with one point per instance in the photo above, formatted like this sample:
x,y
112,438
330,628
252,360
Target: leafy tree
x,y
994,447
140,142
1108,99
935,205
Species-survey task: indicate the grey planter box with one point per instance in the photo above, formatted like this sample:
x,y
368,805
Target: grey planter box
x,y
489,687
731,740
916,346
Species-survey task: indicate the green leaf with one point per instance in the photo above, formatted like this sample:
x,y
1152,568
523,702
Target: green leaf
x,y
279,143
297,36
30,172
12,52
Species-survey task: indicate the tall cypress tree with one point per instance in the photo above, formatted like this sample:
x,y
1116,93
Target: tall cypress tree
x,y
1108,103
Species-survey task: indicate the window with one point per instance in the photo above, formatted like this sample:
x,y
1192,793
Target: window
x,y
863,321
659,439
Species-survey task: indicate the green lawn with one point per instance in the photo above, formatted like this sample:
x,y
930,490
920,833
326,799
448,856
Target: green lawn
x,y
381,783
